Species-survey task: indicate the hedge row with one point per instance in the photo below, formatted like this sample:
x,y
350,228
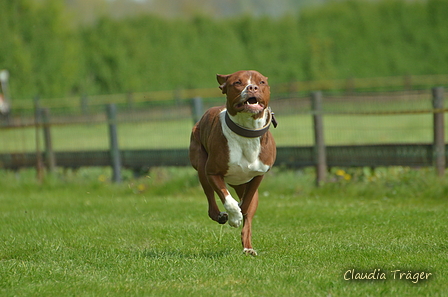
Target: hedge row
x,y
47,55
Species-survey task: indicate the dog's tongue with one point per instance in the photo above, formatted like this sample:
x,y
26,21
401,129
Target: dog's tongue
x,y
252,105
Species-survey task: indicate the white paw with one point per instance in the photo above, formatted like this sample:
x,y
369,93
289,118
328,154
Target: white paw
x,y
250,252
234,211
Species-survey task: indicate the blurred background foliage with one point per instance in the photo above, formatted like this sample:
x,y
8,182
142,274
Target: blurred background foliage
x,y
56,48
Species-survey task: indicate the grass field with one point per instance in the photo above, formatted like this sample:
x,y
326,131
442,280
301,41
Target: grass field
x,y
79,235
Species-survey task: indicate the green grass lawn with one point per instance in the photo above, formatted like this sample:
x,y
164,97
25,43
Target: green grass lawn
x,y
79,235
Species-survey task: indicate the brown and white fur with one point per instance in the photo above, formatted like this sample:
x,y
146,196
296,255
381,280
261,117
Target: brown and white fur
x,y
223,157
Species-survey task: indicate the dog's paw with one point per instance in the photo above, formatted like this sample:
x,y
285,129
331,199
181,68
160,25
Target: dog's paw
x,y
234,211
223,217
236,220
250,252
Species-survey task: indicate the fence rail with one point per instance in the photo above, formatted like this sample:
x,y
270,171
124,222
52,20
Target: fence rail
x,y
414,155
319,155
85,103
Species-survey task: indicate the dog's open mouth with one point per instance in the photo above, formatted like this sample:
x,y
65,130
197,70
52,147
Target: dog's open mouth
x,y
251,104
251,100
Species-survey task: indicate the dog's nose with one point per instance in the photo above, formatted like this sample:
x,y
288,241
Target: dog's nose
x,y
252,88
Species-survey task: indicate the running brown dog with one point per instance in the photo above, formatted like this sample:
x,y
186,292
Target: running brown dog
x,y
232,145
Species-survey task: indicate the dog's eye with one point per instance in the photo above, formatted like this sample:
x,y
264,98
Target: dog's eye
x,y
262,82
238,82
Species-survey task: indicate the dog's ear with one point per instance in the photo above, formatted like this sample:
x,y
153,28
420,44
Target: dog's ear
x,y
222,80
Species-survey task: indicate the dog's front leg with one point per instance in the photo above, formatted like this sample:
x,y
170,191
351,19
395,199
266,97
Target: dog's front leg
x,y
230,204
249,203
250,190
246,232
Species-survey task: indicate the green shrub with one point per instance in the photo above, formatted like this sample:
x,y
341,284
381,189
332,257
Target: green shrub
x,y
47,55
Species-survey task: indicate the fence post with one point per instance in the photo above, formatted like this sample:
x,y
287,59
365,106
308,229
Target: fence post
x,y
320,156
407,82
130,100
84,104
197,108
113,142
350,85
439,131
37,123
49,153
177,96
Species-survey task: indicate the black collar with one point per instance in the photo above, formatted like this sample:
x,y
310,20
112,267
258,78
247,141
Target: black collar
x,y
250,133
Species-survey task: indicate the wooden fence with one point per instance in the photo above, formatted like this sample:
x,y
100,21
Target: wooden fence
x,y
319,155
86,104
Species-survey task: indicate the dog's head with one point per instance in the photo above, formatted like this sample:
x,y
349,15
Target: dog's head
x,y
247,91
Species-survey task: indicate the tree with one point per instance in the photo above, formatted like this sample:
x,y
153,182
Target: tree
x,y
39,48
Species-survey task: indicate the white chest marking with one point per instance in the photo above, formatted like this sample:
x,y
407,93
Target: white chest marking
x,y
244,163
